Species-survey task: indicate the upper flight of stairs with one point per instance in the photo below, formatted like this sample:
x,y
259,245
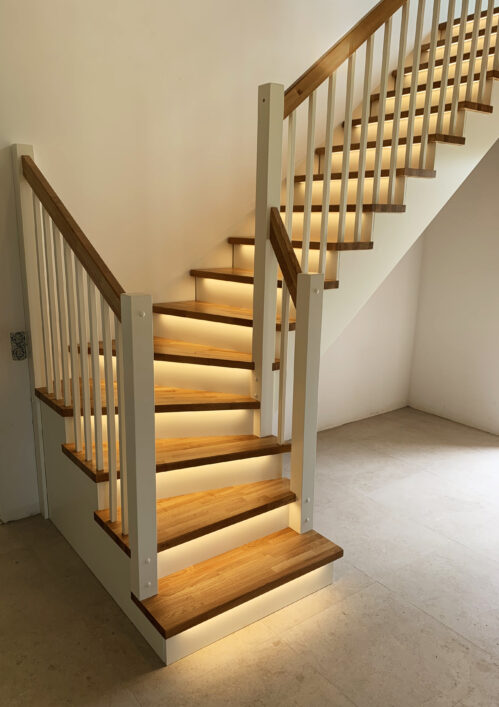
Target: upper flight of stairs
x,y
216,477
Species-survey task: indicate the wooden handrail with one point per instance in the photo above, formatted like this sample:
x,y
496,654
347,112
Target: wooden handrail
x,y
96,268
334,57
284,252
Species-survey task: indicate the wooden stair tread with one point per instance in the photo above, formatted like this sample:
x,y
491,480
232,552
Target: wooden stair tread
x,y
439,62
369,174
198,593
166,399
185,452
314,244
470,18
201,354
213,312
351,208
241,275
422,87
462,105
388,142
183,518
455,37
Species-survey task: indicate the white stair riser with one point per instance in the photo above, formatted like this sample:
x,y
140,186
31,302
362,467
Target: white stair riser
x,y
190,553
199,377
198,331
213,629
217,476
204,423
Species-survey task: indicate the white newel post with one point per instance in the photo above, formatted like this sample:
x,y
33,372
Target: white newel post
x,y
138,369
268,194
32,312
305,398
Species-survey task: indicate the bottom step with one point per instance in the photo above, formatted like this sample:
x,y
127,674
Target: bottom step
x,y
205,590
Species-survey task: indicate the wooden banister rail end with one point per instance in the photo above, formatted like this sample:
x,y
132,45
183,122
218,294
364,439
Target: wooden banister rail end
x,y
96,268
284,252
334,57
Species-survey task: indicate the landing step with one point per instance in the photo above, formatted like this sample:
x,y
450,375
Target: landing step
x,y
462,105
351,208
242,276
212,312
185,452
165,400
198,593
369,174
439,62
183,518
388,142
455,38
314,245
422,87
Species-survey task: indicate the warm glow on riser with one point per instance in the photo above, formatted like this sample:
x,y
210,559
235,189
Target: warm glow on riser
x,y
206,422
212,630
219,475
199,331
197,377
213,544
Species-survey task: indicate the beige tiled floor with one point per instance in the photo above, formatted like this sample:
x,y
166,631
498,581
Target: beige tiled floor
x,y
412,619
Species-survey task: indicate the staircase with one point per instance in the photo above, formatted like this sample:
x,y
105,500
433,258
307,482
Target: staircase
x,y
161,428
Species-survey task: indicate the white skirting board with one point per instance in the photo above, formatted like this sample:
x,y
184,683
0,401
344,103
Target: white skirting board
x,y
73,497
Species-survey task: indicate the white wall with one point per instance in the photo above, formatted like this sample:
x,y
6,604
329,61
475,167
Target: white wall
x,y
367,370
18,487
455,367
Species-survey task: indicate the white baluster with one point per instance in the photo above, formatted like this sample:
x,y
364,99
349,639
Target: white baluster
x,y
54,338
380,135
309,183
414,84
120,383
110,410
73,345
445,66
429,86
83,336
347,140
42,283
326,171
283,365
63,315
96,388
485,51
366,105
459,67
399,87
473,50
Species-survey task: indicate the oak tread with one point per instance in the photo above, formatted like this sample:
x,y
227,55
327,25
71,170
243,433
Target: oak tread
x,y
213,312
351,208
243,276
462,105
185,452
165,400
388,142
184,518
314,244
369,174
205,590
